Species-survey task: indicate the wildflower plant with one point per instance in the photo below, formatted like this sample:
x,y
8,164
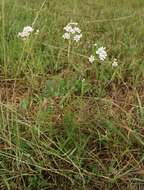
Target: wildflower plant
x,y
102,66
28,36
72,33
100,54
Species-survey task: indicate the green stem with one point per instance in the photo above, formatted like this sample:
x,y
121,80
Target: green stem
x,y
69,49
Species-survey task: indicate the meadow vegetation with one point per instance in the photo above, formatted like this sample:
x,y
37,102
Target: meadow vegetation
x,y
66,123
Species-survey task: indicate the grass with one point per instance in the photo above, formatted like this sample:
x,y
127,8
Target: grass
x,y
58,131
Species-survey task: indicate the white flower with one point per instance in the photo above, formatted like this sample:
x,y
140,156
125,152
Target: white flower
x,y
115,63
101,52
77,29
23,34
91,59
37,32
28,29
26,32
72,31
77,37
66,36
68,28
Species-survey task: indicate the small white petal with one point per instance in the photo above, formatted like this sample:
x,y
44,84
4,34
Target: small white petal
x,y
28,29
66,36
91,59
76,29
68,28
37,32
77,37
115,63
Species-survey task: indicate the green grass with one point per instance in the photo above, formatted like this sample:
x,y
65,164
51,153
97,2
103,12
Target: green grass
x,y
58,131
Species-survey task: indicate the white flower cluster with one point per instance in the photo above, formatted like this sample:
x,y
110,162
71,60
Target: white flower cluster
x,y
37,32
27,30
101,52
72,31
115,63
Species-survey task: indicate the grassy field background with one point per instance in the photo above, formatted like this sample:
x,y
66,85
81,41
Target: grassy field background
x,y
66,124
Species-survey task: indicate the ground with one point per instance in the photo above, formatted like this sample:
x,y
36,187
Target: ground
x,y
66,123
